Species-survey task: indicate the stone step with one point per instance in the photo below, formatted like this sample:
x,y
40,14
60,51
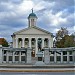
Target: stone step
x,y
34,59
39,63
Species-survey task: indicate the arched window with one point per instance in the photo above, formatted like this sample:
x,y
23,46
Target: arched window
x,y
32,22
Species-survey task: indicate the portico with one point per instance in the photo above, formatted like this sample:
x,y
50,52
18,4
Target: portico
x,y
33,42
22,42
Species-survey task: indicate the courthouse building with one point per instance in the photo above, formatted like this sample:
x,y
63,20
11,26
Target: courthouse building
x,y
33,36
34,44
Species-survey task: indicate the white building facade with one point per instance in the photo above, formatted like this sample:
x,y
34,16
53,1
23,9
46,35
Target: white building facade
x,y
33,36
33,44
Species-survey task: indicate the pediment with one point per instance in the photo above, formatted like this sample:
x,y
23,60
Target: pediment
x,y
33,30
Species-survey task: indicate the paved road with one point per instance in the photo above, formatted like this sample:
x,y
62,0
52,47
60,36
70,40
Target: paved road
x,y
37,73
37,68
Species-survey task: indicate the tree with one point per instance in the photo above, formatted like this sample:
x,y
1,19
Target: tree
x,y
61,33
63,39
3,42
66,41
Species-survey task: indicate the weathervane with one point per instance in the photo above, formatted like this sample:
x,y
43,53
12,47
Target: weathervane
x,y
32,10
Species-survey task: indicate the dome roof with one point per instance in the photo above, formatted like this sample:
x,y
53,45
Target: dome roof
x,y
32,15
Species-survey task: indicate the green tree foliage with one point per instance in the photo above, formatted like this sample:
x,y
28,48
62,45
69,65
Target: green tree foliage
x,y
61,33
64,40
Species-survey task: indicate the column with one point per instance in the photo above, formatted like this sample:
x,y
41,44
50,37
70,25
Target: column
x,y
23,42
13,57
7,57
28,55
16,42
74,56
19,56
13,39
30,42
68,56
61,56
42,42
49,45
46,56
1,54
36,45
55,56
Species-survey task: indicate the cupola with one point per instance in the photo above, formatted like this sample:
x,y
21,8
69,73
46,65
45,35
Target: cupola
x,y
32,18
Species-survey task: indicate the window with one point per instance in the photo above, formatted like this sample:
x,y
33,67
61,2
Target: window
x,y
70,56
52,58
70,52
32,21
10,58
58,58
64,58
16,58
4,58
22,58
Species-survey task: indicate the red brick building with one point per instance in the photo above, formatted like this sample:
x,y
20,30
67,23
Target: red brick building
x,y
1,41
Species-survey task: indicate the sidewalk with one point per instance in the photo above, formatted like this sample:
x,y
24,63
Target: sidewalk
x,y
33,68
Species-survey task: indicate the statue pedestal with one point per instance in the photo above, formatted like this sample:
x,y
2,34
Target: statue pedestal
x,y
40,59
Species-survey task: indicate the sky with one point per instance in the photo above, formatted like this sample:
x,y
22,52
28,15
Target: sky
x,y
52,15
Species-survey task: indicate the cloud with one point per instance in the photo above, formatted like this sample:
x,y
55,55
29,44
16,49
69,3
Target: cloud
x,y
43,5
53,20
24,7
52,15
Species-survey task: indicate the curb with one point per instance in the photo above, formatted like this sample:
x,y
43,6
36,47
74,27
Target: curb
x,y
37,70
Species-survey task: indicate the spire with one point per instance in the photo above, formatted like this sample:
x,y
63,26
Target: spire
x,y
32,10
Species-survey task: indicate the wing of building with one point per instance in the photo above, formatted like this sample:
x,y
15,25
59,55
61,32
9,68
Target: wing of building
x,y
33,36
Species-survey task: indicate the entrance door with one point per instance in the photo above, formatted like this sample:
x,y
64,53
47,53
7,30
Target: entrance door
x,y
33,53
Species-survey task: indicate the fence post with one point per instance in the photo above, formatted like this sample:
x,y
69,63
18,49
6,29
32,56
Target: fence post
x,y
28,55
0,53
46,56
74,56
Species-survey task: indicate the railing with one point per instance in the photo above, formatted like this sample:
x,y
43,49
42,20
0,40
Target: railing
x,y
51,55
13,55
60,55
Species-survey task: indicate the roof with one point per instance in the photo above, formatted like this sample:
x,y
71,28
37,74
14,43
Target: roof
x,y
35,27
32,15
1,41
